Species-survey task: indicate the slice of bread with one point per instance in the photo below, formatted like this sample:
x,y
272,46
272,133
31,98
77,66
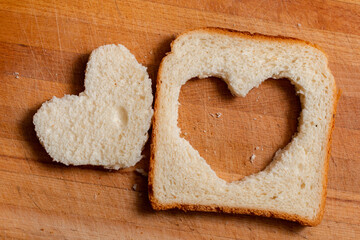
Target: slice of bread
x,y
107,124
293,185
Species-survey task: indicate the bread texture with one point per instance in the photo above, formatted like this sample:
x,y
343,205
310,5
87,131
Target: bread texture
x,y
293,185
107,124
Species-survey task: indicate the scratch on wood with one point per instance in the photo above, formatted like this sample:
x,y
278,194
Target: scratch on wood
x,y
33,201
41,40
333,161
57,27
117,8
31,49
59,39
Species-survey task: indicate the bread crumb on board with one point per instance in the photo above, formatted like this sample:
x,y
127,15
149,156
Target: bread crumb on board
x,y
141,171
16,75
252,158
96,195
134,187
217,115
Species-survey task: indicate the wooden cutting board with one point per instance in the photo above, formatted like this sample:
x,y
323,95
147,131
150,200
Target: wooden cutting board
x,y
44,47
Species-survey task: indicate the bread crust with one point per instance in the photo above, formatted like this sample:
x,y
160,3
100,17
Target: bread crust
x,y
156,205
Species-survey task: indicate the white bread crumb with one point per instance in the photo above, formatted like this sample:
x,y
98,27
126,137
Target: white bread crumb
x,y
142,172
252,158
134,187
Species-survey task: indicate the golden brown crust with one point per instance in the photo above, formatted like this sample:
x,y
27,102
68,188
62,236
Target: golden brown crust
x,y
221,209
246,34
235,210
326,162
153,137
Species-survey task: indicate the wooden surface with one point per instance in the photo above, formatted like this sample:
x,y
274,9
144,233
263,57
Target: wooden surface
x,y
48,42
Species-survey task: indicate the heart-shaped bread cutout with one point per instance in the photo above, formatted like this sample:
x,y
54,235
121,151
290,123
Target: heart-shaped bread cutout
x,y
293,185
105,125
245,131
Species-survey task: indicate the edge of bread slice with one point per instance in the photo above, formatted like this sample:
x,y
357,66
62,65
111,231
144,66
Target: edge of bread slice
x,y
293,185
107,124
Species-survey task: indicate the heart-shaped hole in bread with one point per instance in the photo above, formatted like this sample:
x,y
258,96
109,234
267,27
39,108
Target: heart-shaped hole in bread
x,y
238,136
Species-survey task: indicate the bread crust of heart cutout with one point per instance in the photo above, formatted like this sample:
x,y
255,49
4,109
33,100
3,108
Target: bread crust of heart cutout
x,y
107,124
293,185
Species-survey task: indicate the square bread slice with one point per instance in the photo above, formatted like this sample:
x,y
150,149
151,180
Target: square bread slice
x,y
293,185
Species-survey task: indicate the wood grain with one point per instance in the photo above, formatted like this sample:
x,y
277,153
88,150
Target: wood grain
x,y
48,43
